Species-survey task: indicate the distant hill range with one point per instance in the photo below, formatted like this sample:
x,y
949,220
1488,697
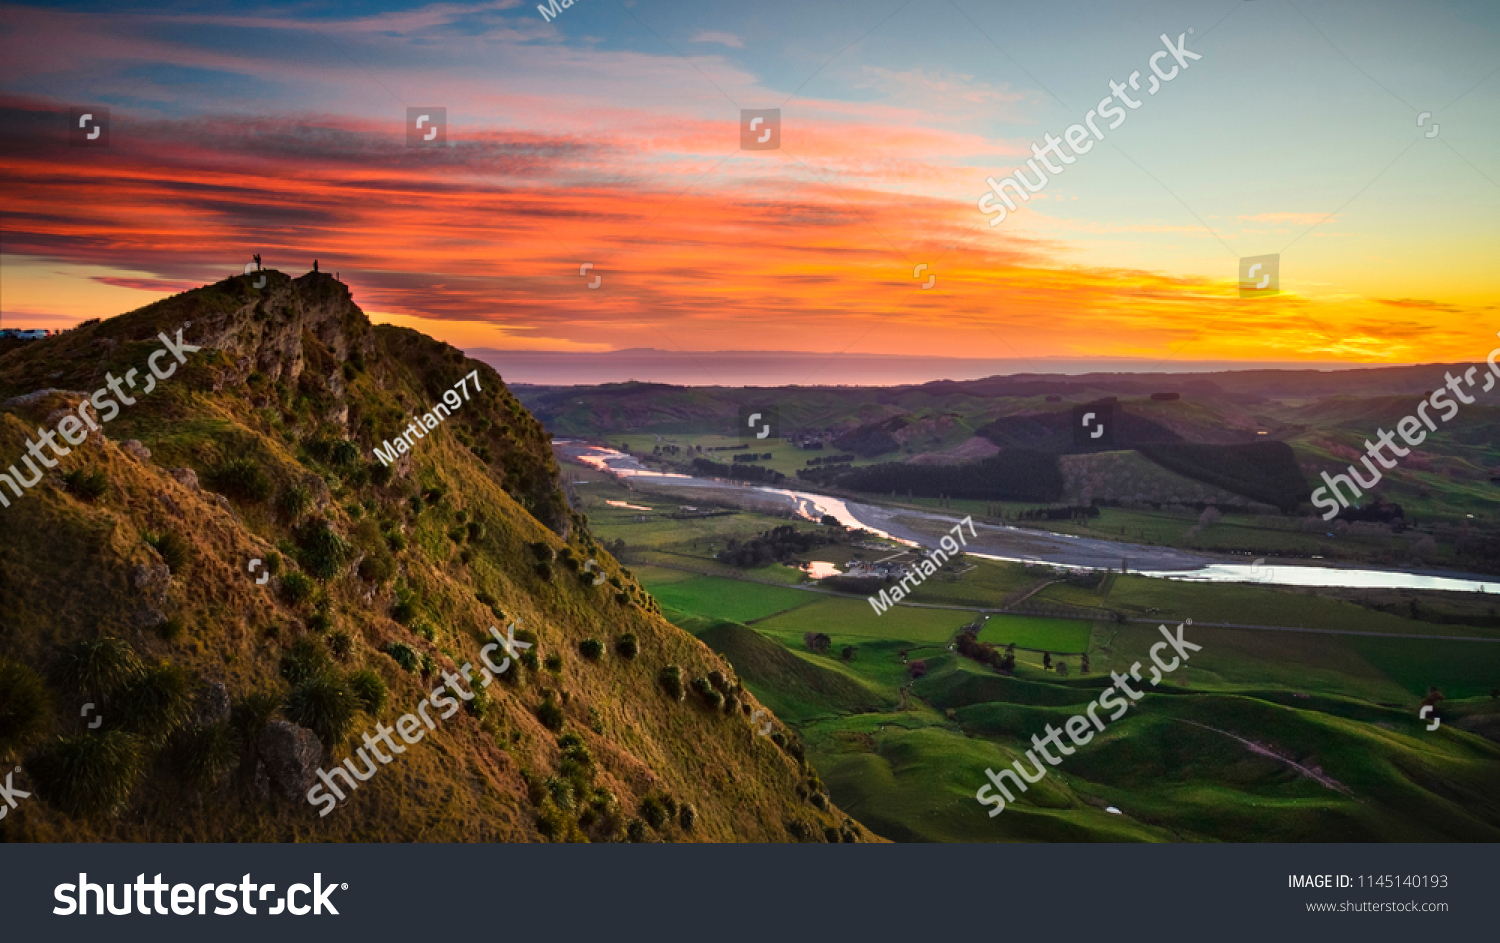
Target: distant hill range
x,y
1254,436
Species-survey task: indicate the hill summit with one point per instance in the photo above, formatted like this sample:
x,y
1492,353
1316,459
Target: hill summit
x,y
220,611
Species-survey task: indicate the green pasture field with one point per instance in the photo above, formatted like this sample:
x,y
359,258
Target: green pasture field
x,y
734,600
854,618
1038,633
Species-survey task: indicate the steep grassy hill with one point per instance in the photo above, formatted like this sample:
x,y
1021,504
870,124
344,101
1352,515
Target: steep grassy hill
x,y
153,689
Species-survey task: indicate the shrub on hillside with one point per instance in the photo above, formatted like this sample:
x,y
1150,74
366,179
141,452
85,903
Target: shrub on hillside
x,y
296,588
627,645
404,655
687,817
405,608
654,812
251,713
369,687
242,479
294,502
174,550
671,682
321,551
377,567
307,658
25,706
341,643
90,774
202,756
326,706
98,667
87,485
550,713
155,703
591,648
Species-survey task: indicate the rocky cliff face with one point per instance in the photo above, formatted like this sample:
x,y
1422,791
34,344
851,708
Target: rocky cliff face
x,y
239,591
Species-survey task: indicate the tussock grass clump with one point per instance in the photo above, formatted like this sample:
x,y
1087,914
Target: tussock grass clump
x,y
86,485
341,643
202,756
296,588
90,774
250,714
294,502
591,648
326,705
369,687
25,706
404,655
405,608
243,480
97,667
175,551
155,703
687,817
320,550
306,659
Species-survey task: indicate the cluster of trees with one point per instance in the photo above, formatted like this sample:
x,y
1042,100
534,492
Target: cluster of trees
x,y
1072,512
753,457
712,469
1377,511
819,643
667,450
831,459
777,545
969,646
1262,471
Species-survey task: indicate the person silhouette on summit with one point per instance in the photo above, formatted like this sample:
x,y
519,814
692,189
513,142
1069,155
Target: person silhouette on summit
x,y
315,266
257,261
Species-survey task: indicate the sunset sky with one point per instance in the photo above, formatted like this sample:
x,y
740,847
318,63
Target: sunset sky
x,y
611,136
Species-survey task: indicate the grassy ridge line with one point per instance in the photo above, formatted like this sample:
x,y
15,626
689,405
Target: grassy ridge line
x,y
471,507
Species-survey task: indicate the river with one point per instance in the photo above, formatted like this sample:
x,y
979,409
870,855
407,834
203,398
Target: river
x,y
1004,542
